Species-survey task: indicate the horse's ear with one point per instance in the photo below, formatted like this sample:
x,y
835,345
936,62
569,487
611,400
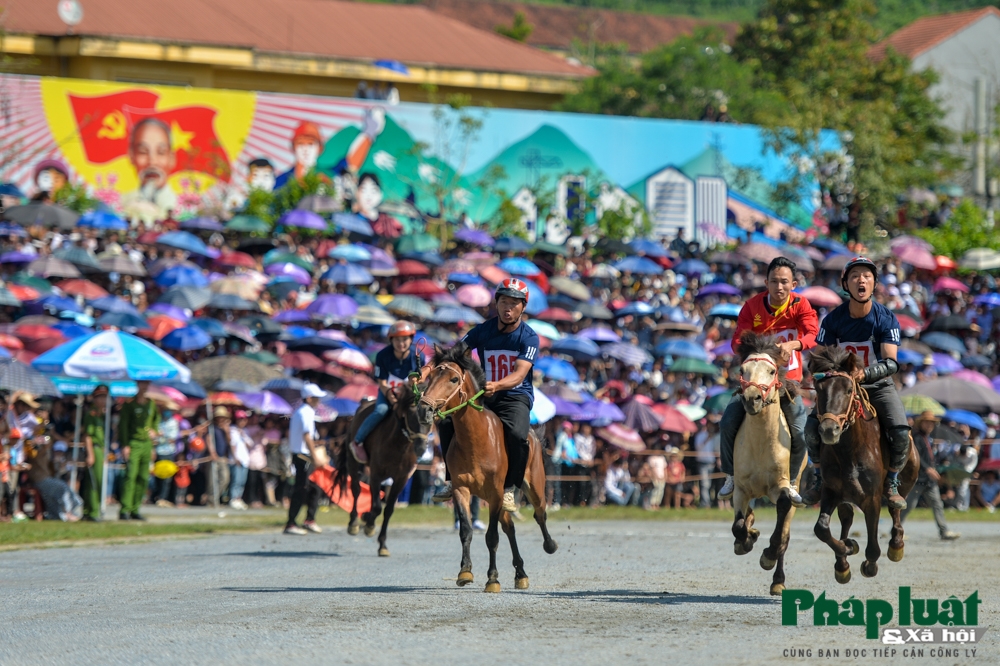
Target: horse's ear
x,y
437,349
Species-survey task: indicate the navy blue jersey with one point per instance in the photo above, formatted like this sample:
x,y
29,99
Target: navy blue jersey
x,y
863,336
394,370
499,352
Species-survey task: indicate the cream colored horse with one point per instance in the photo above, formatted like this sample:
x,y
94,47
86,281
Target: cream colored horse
x,y
761,454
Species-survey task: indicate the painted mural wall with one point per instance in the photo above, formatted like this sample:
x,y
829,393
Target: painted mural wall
x,y
183,150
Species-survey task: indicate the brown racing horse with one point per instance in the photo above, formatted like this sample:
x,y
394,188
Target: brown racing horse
x,y
852,461
762,452
477,460
393,449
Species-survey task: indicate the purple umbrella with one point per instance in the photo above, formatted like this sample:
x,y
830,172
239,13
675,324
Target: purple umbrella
x,y
641,417
17,258
297,273
996,383
946,363
290,316
333,305
719,289
603,410
599,334
303,219
202,223
171,311
334,334
475,237
265,402
565,407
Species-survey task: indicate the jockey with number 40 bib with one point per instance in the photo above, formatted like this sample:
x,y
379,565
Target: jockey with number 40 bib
x,y
507,349
791,319
871,331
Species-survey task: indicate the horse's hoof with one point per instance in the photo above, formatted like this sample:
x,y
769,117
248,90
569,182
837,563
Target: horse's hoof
x,y
843,577
521,584
853,546
753,534
464,578
492,588
369,530
869,569
777,589
895,554
766,563
383,552
550,546
743,547
353,529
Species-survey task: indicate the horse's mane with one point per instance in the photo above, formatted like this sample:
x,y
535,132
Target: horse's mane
x,y
751,343
405,397
460,355
832,359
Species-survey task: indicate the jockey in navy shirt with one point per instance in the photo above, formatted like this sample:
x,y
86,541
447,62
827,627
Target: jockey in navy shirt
x,y
507,350
871,331
393,366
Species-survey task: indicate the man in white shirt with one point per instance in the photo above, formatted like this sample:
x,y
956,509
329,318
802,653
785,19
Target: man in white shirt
x,y
302,443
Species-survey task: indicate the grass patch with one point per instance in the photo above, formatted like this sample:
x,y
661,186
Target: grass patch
x,y
30,532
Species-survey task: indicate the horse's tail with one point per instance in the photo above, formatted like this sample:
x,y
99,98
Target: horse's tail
x,y
340,473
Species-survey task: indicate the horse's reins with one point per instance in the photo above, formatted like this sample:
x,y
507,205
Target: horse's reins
x,y
764,389
469,402
859,403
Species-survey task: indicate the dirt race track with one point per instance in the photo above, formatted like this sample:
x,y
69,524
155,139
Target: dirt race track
x,y
615,593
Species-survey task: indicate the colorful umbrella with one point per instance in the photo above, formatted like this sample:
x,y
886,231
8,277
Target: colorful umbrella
x,y
627,353
265,402
599,334
949,283
350,274
111,355
349,358
621,436
303,219
186,339
183,240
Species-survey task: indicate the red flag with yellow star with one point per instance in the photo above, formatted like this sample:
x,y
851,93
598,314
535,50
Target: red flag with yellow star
x,y
101,121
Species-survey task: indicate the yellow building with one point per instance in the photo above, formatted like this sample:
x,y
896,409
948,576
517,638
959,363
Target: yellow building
x,y
316,47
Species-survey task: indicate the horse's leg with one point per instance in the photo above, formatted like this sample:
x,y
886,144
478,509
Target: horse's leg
x,y
896,539
390,503
462,498
841,569
375,482
775,552
536,471
872,509
742,523
846,514
493,542
354,527
520,577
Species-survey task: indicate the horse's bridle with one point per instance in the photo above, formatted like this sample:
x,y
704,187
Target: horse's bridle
x,y
417,399
857,405
460,390
764,389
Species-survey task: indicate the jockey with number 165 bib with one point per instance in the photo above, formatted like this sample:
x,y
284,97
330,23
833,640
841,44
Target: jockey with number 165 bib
x,y
792,320
507,349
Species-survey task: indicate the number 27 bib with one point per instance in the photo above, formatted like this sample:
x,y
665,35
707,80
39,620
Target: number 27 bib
x,y
865,351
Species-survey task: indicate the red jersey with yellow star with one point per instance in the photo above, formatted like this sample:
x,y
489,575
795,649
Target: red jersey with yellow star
x,y
795,320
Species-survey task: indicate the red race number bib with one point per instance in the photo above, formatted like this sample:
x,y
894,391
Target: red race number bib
x,y
865,351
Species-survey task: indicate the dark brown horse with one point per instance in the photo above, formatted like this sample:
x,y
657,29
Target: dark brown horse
x,y
477,460
393,449
852,462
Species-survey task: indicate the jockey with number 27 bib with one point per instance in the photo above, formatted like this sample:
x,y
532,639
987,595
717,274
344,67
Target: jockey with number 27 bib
x,y
507,349
792,320
871,331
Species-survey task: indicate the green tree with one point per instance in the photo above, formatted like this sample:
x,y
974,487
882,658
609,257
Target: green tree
x,y
519,30
619,223
508,221
967,228
288,197
75,197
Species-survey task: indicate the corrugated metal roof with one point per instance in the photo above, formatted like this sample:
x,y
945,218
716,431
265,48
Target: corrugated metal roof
x,y
326,28
924,33
558,27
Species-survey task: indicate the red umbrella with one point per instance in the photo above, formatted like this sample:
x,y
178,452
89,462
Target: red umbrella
x,y
422,288
159,326
84,288
241,259
908,323
387,226
622,437
42,345
556,314
22,293
822,297
358,392
37,332
411,268
673,420
943,283
493,274
226,398
915,256
945,263
10,342
148,238
301,361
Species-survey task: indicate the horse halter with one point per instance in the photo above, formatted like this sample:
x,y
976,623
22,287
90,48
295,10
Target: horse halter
x,y
764,389
460,389
857,405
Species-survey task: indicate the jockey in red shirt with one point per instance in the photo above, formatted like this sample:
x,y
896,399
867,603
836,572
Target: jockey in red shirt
x,y
793,321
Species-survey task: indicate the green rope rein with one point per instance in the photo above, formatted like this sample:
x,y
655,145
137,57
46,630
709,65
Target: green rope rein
x,y
468,403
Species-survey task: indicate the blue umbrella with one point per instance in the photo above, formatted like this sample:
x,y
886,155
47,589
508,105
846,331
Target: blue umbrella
x,y
394,66
110,355
904,355
648,247
347,274
992,300
464,278
692,267
342,406
350,253
970,419
726,310
102,219
183,240
830,245
122,320
512,244
452,314
11,229
190,389
60,303
638,308
213,327
181,276
600,334
537,302
202,224
557,369
72,329
519,266
681,347
639,266
944,342
581,349
186,339
113,304
432,259
353,223
231,302
474,237
11,190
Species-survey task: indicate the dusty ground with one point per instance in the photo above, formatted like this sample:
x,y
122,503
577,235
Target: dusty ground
x,y
615,593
